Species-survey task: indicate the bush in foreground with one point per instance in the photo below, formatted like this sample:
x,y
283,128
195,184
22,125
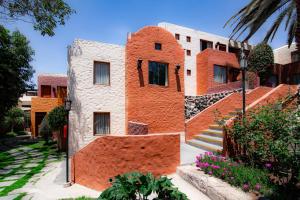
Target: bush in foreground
x,y
137,186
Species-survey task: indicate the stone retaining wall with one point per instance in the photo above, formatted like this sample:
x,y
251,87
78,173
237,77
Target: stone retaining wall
x,y
195,104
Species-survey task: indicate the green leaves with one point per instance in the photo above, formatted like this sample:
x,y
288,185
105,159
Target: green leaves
x,y
45,15
57,118
140,186
14,117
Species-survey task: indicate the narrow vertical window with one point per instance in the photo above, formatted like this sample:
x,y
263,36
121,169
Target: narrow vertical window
x,y
188,38
177,36
101,123
188,52
188,72
101,73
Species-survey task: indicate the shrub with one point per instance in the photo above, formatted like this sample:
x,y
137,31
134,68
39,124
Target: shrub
x,y
139,186
237,174
57,118
270,137
14,117
44,129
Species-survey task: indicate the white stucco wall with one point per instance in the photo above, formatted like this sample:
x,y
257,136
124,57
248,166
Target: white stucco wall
x,y
282,55
88,98
190,82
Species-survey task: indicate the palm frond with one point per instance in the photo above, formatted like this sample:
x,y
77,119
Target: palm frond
x,y
292,31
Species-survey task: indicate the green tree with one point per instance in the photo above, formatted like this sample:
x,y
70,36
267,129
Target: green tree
x,y
57,118
45,130
45,15
14,117
260,60
250,18
15,69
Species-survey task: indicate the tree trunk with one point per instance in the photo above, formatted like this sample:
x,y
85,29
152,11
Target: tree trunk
x,y
298,26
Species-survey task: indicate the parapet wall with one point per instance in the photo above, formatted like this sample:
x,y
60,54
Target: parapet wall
x,y
108,156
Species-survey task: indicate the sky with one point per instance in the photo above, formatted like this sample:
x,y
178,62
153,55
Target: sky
x,y
110,20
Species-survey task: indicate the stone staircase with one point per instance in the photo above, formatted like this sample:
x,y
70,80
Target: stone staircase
x,y
211,139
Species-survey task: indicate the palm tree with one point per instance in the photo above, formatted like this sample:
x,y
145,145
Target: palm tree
x,y
251,17
14,117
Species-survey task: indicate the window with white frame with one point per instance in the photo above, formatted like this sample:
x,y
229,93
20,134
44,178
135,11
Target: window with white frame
x,y
220,74
101,123
101,73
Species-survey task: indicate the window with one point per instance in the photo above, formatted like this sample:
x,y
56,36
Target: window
x,y
61,92
222,47
157,46
177,36
295,56
101,123
188,52
101,73
46,91
220,74
188,72
188,38
205,44
158,73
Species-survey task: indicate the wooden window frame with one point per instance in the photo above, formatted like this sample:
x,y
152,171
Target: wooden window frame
x,y
94,75
94,124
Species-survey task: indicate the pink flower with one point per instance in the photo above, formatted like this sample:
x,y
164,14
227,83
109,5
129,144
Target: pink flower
x,y
257,187
246,187
199,157
210,172
215,167
268,165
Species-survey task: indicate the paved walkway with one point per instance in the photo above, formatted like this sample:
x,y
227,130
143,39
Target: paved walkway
x,y
188,153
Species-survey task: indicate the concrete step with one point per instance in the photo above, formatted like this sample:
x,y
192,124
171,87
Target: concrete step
x,y
216,127
205,145
213,132
210,139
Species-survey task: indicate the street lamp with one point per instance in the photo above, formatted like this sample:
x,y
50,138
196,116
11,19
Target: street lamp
x,y
67,107
243,65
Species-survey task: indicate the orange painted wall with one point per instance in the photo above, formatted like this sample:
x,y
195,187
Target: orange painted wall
x,y
160,107
39,104
207,117
109,156
205,67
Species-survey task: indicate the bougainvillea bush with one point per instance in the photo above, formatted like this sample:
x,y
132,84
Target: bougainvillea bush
x,y
235,173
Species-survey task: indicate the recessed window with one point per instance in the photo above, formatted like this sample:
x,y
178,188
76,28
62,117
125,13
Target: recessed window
x,y
188,38
101,123
101,73
157,46
158,73
46,91
220,74
177,36
205,45
188,52
222,47
188,72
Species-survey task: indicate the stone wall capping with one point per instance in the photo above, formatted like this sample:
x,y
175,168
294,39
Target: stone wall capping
x,y
214,188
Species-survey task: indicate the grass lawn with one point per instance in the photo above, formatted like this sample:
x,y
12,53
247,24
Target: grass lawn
x,y
5,159
44,151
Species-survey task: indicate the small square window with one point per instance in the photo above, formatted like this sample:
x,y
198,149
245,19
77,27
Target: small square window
x,y
188,72
188,52
188,38
222,47
157,46
101,123
177,36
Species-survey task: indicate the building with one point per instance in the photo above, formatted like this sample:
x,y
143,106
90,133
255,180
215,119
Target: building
x,y
141,87
25,100
52,90
286,68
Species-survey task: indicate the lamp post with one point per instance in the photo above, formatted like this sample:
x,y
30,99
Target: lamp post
x,y
243,65
67,107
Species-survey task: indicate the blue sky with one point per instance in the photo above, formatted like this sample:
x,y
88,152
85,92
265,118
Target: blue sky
x,y
110,21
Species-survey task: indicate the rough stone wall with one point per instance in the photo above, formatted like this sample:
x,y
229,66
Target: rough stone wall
x,y
160,107
195,104
202,120
205,67
190,61
109,156
51,79
39,104
87,97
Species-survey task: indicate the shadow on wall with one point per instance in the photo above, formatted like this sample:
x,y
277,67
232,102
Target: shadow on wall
x,y
141,77
78,124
